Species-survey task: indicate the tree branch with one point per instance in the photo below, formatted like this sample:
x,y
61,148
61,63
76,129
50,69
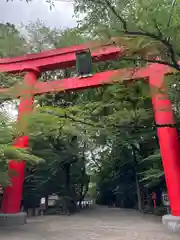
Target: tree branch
x,y
171,13
147,60
87,123
159,37
69,117
113,10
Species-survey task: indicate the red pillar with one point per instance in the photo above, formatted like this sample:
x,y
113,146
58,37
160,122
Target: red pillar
x,y
167,134
13,194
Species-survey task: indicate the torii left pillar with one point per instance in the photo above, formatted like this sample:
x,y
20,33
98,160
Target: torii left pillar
x,y
13,194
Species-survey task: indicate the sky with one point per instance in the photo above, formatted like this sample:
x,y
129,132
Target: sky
x,y
18,11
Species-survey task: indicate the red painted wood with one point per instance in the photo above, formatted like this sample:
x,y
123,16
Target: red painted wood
x,y
168,136
56,59
108,77
13,194
98,79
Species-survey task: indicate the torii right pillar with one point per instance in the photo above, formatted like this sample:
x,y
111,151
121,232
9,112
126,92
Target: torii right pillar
x,y
168,141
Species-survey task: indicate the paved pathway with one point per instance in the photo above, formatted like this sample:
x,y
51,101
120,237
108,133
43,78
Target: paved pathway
x,y
98,224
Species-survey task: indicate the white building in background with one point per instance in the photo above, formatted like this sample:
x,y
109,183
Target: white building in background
x,y
52,200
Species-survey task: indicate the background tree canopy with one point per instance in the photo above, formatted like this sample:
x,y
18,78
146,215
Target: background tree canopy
x,y
100,142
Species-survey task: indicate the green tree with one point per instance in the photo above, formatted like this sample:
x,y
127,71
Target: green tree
x,y
115,121
148,29
12,42
7,151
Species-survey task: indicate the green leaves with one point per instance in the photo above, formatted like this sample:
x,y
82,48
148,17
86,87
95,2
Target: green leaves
x,y
11,41
148,29
65,127
19,154
8,152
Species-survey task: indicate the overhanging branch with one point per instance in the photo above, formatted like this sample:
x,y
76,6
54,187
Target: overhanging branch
x,y
164,40
88,123
147,60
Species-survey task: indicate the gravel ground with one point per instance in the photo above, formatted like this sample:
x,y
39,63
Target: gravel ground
x,y
97,224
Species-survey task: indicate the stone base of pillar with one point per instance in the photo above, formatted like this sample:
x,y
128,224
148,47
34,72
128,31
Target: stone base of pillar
x,y
172,223
12,219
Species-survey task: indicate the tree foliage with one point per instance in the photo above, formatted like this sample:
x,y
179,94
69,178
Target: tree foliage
x,y
148,29
105,136
8,152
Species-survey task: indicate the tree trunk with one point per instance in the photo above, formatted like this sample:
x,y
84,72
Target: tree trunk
x,y
81,195
138,193
67,197
82,187
67,179
138,189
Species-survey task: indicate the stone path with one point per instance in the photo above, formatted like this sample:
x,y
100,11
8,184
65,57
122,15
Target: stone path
x,y
97,224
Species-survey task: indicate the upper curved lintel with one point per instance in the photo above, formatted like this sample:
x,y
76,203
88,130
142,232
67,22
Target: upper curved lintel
x,y
57,58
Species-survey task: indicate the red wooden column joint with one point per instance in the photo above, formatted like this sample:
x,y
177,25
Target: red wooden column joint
x,y
167,134
13,194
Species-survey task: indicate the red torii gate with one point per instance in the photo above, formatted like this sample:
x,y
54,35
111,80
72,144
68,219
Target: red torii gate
x,y
34,64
